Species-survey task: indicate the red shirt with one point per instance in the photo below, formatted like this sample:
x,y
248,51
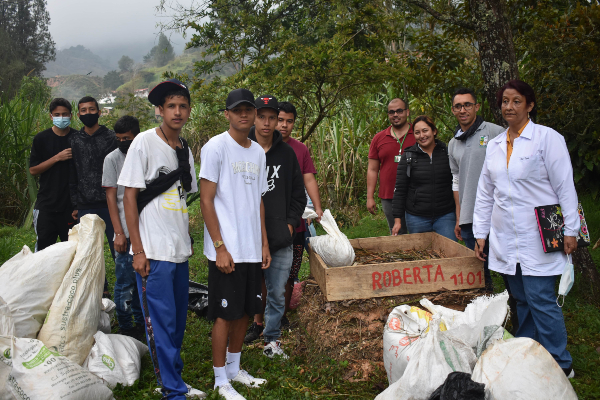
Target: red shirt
x,y
384,148
306,166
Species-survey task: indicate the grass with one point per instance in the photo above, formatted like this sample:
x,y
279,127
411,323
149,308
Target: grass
x,y
310,375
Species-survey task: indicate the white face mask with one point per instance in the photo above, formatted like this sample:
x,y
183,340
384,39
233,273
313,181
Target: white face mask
x,y
566,281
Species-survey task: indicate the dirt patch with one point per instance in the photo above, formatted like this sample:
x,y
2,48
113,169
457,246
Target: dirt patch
x,y
352,330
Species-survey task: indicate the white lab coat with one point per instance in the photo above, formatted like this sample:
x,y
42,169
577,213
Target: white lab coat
x,y
539,174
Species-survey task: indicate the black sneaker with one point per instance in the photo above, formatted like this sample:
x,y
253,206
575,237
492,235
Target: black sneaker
x,y
253,333
285,323
569,372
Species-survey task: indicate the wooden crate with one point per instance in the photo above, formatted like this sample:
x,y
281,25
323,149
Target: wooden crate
x,y
460,270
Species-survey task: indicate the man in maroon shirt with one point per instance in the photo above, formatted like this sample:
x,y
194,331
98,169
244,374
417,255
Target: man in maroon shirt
x,y
384,154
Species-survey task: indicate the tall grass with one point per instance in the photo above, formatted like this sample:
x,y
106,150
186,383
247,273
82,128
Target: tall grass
x,y
20,119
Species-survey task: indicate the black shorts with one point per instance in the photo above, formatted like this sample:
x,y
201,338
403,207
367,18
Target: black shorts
x,y
230,296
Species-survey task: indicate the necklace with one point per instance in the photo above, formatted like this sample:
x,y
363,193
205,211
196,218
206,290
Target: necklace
x,y
163,132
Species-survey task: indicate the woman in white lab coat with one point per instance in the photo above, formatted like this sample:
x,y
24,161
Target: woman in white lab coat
x,y
525,167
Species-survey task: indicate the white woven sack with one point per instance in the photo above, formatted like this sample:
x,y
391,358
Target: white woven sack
x,y
334,248
40,374
7,327
75,312
29,281
106,314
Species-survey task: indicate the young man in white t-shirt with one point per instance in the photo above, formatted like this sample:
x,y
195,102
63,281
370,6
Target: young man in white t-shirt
x,y
232,182
158,174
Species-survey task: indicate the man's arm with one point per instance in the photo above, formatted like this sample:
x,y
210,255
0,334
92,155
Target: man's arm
x,y
208,190
141,264
457,227
120,241
312,188
372,175
298,198
266,253
73,186
45,166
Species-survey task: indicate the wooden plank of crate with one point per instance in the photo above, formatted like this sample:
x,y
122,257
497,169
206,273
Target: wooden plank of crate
x,y
317,269
394,243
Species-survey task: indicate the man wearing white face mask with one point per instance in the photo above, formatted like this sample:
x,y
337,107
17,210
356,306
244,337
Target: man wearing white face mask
x,y
50,155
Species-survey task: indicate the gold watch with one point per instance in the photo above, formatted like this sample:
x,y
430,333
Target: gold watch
x,y
218,243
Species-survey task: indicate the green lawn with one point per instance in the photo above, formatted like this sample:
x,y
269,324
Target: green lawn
x,y
308,374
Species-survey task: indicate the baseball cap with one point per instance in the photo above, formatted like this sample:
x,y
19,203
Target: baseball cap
x,y
237,97
267,101
155,96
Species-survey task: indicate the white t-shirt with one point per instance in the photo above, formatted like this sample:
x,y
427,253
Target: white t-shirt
x,y
240,175
164,222
113,163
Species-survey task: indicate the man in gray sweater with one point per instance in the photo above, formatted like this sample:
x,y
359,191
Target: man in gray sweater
x,y
466,151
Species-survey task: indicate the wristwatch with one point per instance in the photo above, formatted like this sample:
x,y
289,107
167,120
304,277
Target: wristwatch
x,y
218,243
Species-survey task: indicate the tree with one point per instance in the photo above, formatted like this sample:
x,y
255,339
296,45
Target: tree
x,y
126,64
25,42
487,19
112,80
162,53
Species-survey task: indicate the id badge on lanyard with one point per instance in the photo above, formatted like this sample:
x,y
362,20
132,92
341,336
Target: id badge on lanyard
x,y
399,156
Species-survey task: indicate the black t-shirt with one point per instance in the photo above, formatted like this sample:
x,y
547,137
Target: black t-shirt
x,y
53,194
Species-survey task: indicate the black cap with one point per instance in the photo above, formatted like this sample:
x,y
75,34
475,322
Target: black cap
x,y
155,96
267,102
237,97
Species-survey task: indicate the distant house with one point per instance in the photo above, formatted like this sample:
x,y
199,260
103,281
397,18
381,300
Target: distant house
x,y
106,110
141,93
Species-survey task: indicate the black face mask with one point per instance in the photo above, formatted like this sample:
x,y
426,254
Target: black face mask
x,y
124,145
89,120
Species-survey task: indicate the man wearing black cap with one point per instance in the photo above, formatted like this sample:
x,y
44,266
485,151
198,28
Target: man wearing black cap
x,y
285,201
158,174
233,178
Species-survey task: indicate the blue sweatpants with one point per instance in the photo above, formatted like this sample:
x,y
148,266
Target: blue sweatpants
x,y
164,299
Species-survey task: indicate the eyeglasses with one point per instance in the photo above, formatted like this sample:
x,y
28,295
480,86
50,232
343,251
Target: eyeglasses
x,y
467,106
398,111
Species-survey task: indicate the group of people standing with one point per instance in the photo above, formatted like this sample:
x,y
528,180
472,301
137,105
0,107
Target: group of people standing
x,y
482,188
255,181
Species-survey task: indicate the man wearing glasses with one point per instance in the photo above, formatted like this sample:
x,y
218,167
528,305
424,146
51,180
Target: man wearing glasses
x,y
384,154
466,152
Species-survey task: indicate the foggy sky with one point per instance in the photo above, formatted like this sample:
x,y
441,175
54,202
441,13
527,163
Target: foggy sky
x,y
108,24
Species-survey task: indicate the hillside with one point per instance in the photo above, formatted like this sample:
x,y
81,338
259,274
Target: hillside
x,y
77,60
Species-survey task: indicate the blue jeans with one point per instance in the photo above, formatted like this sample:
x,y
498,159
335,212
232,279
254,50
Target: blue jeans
x,y
109,230
444,224
540,318
165,311
126,293
276,277
466,231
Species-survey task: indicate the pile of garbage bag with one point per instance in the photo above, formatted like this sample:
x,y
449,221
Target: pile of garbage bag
x,y
439,353
53,323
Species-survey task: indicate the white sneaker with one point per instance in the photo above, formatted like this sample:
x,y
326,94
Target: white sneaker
x,y
273,349
194,393
572,374
245,378
191,394
229,393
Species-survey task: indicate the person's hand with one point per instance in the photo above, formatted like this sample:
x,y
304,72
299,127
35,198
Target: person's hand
x,y
319,213
291,229
371,205
120,243
457,231
74,214
64,155
397,226
266,257
141,264
479,245
224,261
570,244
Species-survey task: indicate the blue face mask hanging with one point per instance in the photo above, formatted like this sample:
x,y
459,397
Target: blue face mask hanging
x,y
566,281
61,122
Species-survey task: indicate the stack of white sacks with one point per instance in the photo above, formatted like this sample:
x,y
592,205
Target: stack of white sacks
x,y
54,323
420,349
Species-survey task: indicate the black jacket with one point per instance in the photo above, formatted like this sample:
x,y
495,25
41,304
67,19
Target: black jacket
x,y
87,164
428,190
285,198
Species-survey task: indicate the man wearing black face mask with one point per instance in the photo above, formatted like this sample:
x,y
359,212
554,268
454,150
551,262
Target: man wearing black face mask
x,y
126,294
89,147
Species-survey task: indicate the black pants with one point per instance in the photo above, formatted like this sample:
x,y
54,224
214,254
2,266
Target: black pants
x,y
50,226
